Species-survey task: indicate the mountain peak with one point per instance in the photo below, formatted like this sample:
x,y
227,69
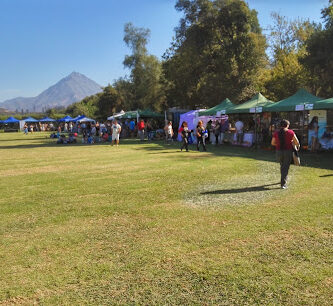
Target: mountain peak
x,y
68,90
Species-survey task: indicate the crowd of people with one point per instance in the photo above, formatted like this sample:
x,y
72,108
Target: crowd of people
x,y
216,132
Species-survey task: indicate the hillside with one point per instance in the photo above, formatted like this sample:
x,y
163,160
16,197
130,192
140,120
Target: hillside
x,y
68,90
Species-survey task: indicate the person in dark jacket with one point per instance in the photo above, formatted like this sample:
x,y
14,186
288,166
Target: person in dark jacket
x,y
200,133
186,134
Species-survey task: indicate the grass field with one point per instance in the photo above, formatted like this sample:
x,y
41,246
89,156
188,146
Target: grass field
x,y
147,224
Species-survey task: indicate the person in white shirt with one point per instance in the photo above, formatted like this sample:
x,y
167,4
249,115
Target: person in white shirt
x,y
115,129
239,125
168,132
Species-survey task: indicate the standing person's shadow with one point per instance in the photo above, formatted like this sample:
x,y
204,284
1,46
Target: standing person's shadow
x,y
326,175
240,190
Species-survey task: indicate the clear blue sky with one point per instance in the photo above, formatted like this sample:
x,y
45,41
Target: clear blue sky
x,y
42,41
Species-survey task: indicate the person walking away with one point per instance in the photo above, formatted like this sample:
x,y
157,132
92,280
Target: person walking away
x,y
313,133
116,130
239,125
284,140
186,134
217,129
141,129
200,130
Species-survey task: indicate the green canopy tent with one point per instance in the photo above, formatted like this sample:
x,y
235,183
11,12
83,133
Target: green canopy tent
x,y
221,108
257,104
324,104
141,114
301,100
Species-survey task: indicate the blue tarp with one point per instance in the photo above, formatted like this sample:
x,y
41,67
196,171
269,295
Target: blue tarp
x,y
30,119
11,120
66,119
47,119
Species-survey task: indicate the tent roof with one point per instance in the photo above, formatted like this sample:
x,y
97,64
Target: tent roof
x,y
223,106
85,119
324,104
142,114
66,119
250,106
47,119
11,120
78,118
30,119
289,104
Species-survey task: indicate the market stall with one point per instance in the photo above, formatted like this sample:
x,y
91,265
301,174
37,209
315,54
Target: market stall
x,y
11,124
298,109
256,119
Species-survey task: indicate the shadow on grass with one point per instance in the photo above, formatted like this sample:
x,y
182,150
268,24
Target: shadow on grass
x,y
316,160
326,175
240,190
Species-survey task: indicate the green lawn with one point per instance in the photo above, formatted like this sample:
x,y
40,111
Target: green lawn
x,y
147,224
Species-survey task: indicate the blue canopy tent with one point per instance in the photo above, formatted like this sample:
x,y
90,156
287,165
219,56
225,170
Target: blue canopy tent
x,y
47,119
78,118
30,119
85,119
66,119
10,120
11,124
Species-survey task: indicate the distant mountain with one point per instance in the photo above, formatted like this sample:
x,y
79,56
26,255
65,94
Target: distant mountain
x,y
68,90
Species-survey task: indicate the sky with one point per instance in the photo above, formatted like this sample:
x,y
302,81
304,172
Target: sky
x,y
42,41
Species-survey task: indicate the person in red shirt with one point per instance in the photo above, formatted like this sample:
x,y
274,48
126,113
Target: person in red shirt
x,y
141,129
284,140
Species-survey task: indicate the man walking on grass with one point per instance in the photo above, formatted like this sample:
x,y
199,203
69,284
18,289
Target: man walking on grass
x,y
116,129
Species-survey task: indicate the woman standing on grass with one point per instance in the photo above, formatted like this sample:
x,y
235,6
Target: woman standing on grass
x,y
186,134
200,136
283,140
313,133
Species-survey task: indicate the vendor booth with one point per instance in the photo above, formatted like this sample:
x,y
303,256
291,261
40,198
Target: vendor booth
x,y
191,118
256,118
29,121
11,124
297,109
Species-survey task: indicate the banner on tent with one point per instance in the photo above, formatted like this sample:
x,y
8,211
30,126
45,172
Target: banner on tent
x,y
256,109
221,112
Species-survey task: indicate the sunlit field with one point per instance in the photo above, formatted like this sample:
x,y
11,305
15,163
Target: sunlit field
x,y
144,223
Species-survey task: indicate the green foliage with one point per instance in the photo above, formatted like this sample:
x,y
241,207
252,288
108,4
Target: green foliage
x,y
287,46
87,106
217,53
144,86
319,58
108,102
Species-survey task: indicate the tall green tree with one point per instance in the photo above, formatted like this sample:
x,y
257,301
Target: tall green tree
x,y
319,58
287,47
144,87
218,52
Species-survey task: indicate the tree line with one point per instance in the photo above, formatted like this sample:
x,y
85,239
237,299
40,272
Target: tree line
x,y
219,51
